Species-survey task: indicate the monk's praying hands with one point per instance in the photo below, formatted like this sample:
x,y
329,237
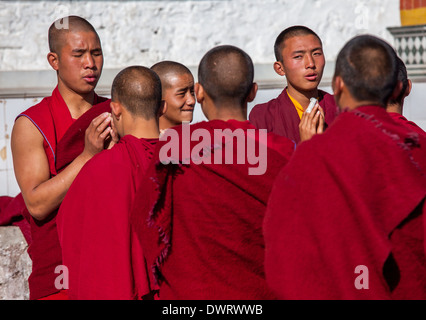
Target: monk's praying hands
x,y
311,123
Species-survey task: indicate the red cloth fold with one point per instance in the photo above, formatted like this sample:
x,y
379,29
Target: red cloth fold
x,y
372,172
280,116
403,121
200,224
103,259
52,118
72,142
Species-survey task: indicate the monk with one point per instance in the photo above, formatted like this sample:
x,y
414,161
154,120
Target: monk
x,y
177,83
350,225
93,220
300,58
395,106
76,56
199,215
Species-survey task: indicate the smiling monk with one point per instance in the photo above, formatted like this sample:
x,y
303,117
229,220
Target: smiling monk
x,y
300,59
76,56
177,84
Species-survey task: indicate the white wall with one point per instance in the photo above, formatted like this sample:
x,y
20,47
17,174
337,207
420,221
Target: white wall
x,y
144,32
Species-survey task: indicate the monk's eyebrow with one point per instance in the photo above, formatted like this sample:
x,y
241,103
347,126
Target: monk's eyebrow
x,y
78,50
184,89
304,51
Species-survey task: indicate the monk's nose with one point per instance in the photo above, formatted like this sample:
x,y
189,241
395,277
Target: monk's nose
x,y
310,62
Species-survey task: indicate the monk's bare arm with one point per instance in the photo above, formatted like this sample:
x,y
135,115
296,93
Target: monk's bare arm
x,y
41,193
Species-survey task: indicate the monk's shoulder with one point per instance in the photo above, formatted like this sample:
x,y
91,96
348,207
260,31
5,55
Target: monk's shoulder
x,y
37,110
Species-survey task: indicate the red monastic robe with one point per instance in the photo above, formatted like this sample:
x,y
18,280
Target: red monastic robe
x,y
200,225
280,116
52,118
93,225
405,122
344,219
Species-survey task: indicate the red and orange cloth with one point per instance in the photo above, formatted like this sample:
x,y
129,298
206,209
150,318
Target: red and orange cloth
x,y
413,12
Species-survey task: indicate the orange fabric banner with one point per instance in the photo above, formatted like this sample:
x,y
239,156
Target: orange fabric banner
x,y
413,12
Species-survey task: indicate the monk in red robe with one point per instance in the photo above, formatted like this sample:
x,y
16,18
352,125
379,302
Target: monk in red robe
x,y
177,83
300,58
395,106
93,220
76,56
199,216
351,224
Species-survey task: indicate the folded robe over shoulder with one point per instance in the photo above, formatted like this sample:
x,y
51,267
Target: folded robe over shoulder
x,y
94,229
53,119
399,118
280,116
348,199
200,225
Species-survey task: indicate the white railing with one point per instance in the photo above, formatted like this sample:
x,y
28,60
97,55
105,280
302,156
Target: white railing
x,y
410,44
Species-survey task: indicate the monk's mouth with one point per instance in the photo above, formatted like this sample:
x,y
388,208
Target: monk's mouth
x,y
311,77
90,79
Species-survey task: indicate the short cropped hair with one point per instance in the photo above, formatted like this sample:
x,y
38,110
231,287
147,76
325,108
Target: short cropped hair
x,y
57,30
288,33
403,78
166,68
368,67
226,74
138,89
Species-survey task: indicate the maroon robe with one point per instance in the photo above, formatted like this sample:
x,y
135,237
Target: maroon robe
x,y
103,261
318,243
200,225
52,118
399,118
280,115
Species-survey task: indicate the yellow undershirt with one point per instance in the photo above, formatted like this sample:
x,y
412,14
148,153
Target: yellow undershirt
x,y
298,106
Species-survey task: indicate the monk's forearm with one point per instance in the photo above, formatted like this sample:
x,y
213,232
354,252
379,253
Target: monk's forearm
x,y
47,197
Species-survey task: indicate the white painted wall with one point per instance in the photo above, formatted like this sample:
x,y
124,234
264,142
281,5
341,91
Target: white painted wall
x,y
144,32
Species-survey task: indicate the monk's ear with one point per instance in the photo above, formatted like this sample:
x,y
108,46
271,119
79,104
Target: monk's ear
x,y
199,92
396,91
279,68
163,108
337,85
253,92
408,90
116,109
53,60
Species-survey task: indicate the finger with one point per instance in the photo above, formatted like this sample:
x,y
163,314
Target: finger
x,y
103,125
99,119
321,124
105,133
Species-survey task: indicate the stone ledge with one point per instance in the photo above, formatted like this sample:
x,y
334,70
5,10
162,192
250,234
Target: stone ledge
x,y
15,264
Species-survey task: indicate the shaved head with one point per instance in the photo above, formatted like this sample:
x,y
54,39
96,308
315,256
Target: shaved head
x,y
226,74
138,89
368,66
168,69
294,31
63,26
